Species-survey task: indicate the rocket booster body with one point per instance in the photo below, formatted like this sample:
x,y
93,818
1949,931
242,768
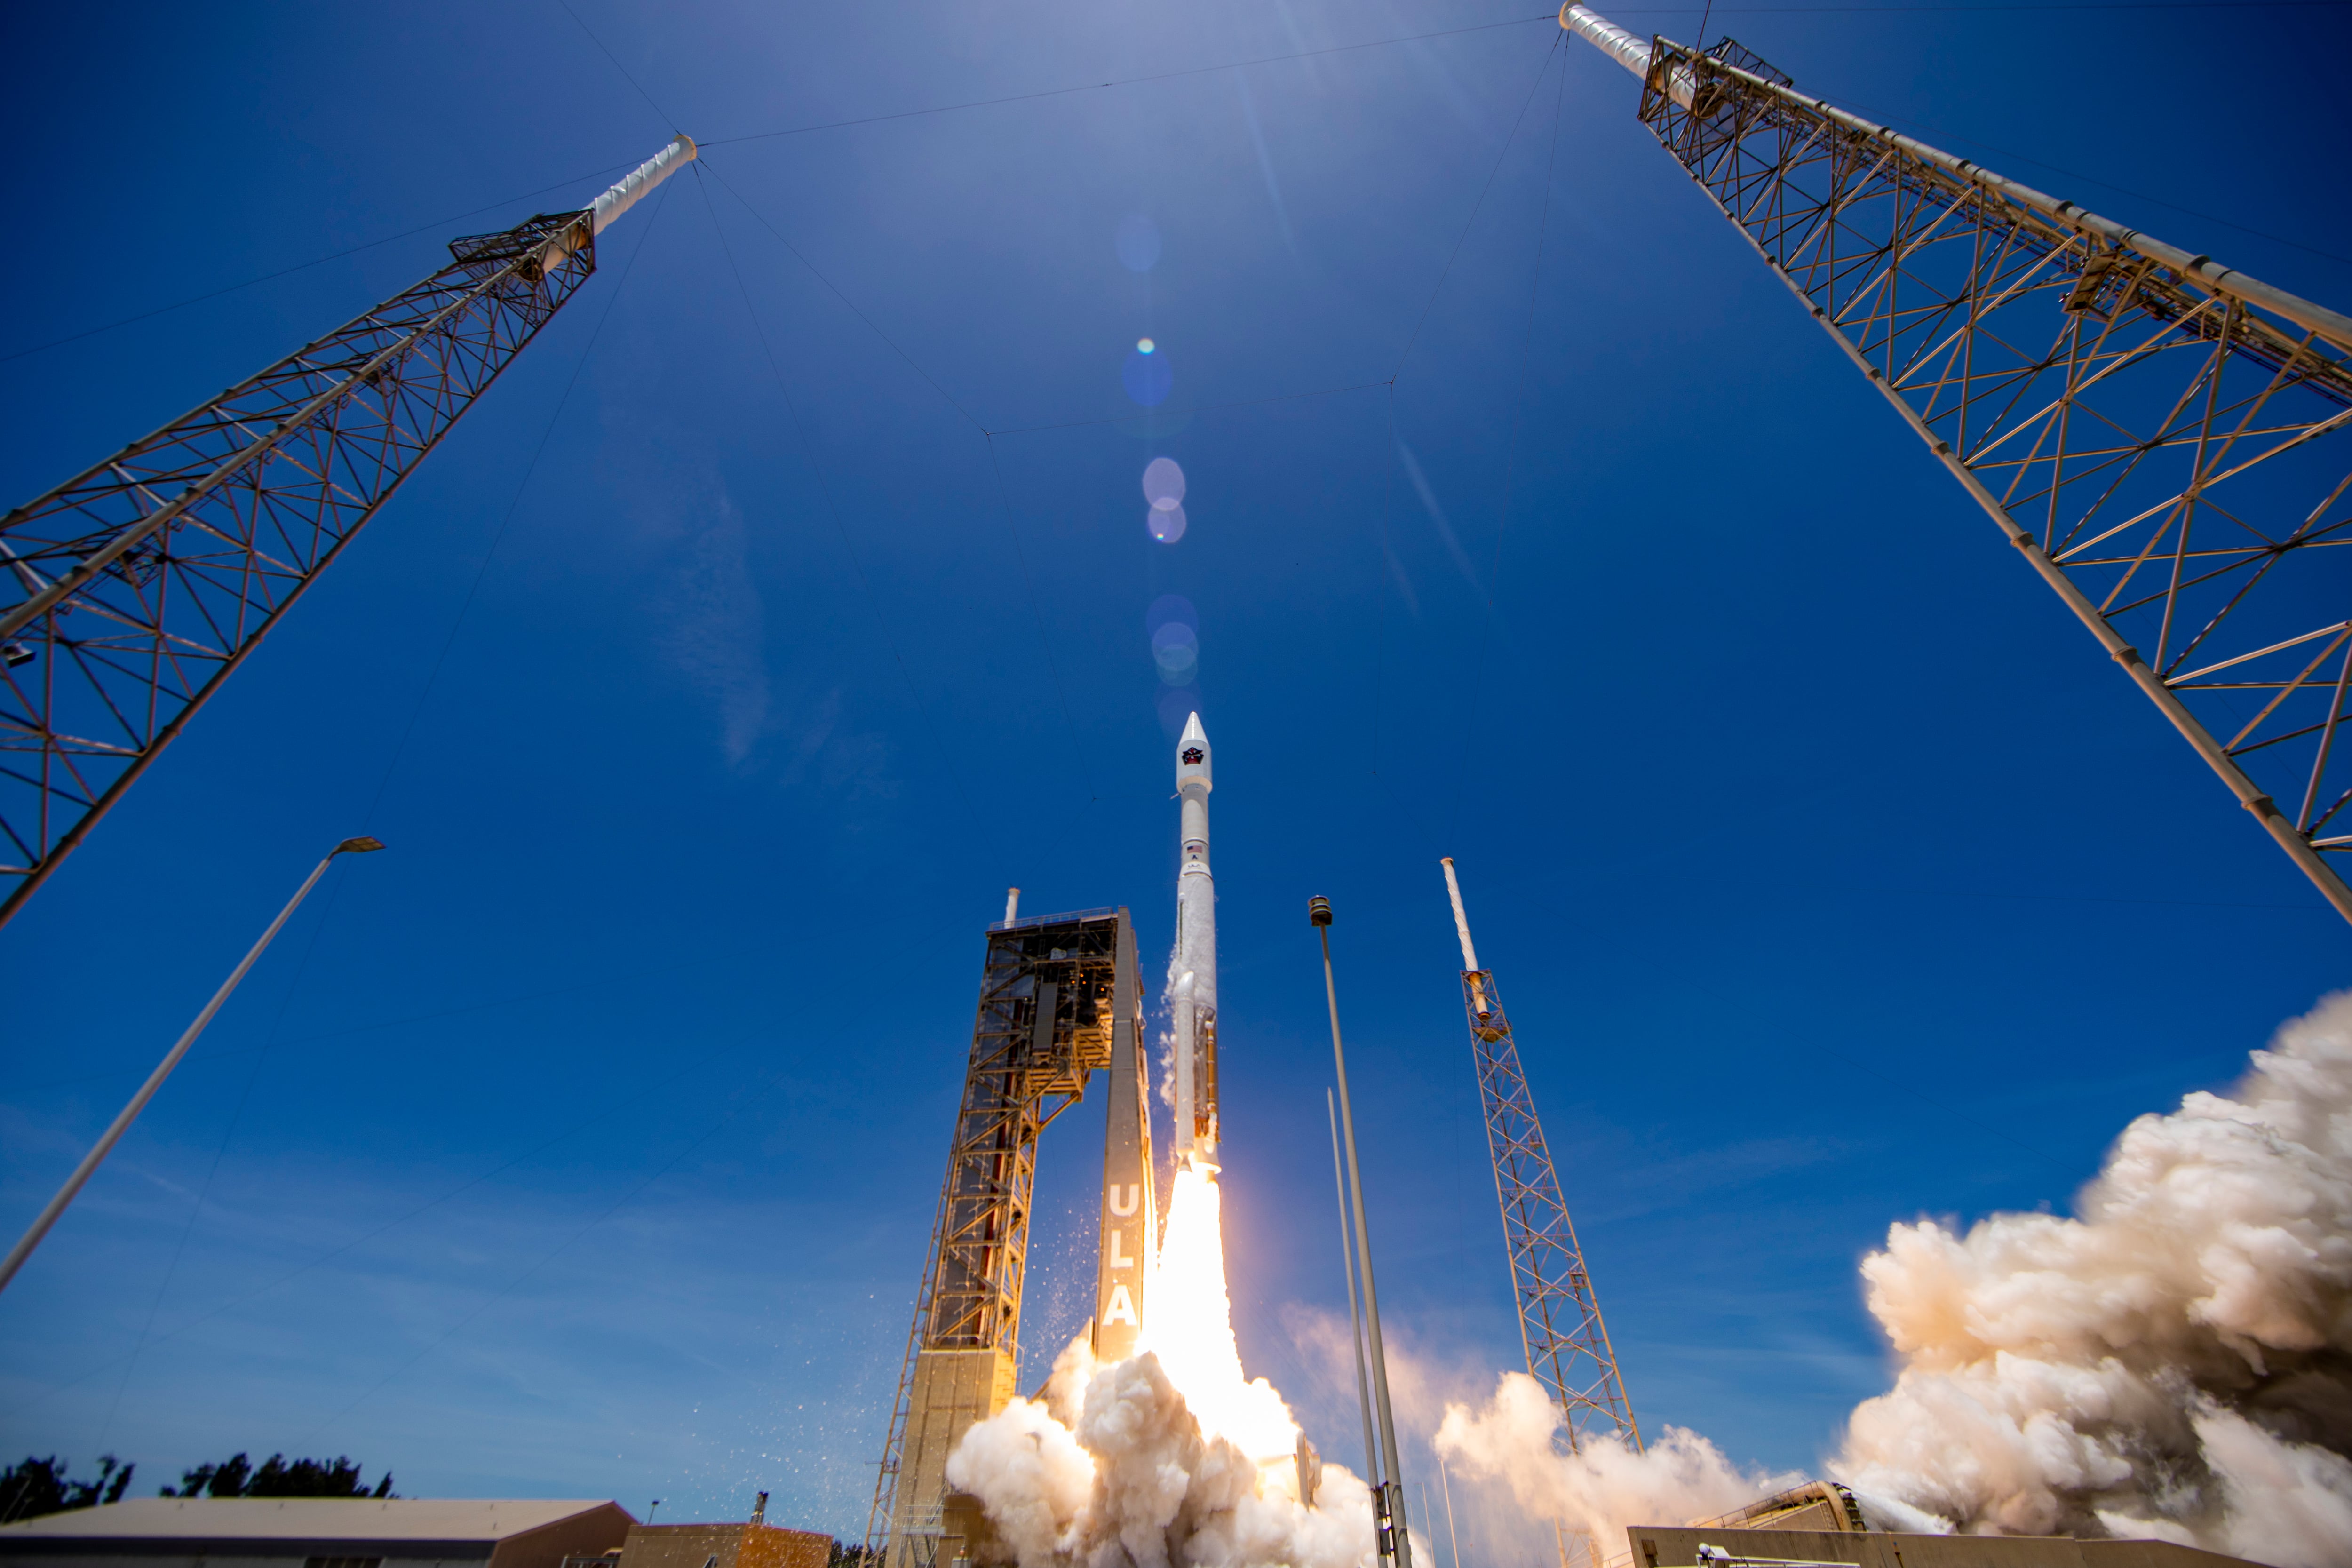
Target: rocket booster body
x,y
1193,967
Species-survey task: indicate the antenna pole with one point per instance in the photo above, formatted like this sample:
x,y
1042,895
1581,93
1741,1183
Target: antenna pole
x,y
1396,1542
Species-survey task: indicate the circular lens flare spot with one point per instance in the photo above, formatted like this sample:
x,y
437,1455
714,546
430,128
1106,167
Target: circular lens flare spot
x,y
1177,651
1166,523
1138,243
1170,607
1144,345
1147,377
1163,484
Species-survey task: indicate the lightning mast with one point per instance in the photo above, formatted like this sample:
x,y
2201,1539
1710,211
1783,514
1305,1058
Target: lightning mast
x,y
1560,1330
2160,437
131,593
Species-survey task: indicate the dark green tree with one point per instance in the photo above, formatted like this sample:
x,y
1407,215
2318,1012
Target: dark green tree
x,y
280,1477
41,1485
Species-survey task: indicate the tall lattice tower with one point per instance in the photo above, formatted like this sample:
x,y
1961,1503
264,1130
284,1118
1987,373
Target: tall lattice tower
x,y
1567,1344
131,593
2166,442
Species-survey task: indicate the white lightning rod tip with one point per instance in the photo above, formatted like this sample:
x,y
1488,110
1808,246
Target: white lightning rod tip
x,y
633,189
1460,917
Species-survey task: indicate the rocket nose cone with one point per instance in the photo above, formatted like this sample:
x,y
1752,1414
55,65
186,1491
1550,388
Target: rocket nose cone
x,y
1193,753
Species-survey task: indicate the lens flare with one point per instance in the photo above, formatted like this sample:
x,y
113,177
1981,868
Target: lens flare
x,y
1176,704
1147,377
1138,244
1176,648
1170,608
1166,525
1163,484
1144,345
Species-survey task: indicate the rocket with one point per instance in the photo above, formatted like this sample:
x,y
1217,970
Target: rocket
x,y
1193,967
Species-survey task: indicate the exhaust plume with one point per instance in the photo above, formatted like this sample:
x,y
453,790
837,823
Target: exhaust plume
x,y
1604,1485
1172,1458
2174,1361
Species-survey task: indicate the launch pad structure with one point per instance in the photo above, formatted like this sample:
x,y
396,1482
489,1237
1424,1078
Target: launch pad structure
x,y
1060,1000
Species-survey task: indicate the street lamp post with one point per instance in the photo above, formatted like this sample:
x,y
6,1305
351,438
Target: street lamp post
x,y
1396,1539
113,1134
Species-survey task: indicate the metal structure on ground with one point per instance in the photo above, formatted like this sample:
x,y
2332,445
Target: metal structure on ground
x,y
1060,999
1560,1330
131,593
2162,439
1391,1531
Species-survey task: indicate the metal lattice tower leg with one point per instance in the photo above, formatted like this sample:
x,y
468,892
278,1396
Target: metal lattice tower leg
x,y
129,593
1566,1343
1050,991
2161,438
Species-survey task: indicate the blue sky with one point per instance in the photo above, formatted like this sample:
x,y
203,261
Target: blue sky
x,y
788,600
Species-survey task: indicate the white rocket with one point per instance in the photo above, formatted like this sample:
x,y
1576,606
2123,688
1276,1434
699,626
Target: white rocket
x,y
1193,967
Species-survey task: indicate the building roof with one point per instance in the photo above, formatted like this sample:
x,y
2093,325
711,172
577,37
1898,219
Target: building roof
x,y
436,1520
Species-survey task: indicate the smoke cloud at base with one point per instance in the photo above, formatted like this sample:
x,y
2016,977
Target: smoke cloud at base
x,y
1113,1468
1606,1484
1173,1458
2173,1362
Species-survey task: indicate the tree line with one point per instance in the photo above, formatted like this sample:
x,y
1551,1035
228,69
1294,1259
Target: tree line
x,y
40,1486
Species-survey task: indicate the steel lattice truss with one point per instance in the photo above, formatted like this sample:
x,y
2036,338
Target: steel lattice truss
x,y
129,593
1044,1025
2164,439
1566,1342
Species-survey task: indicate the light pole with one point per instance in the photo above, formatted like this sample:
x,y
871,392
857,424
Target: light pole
x,y
1347,1265
113,1134
1395,1541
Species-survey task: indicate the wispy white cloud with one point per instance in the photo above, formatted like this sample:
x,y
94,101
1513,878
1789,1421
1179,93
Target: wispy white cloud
x,y
716,628
1265,169
1437,515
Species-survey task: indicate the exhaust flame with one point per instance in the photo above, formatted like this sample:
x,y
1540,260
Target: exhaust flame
x,y
1191,1329
1174,1459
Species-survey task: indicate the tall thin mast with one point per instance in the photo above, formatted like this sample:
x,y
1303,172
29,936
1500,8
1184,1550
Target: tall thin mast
x,y
2165,441
130,594
1561,1331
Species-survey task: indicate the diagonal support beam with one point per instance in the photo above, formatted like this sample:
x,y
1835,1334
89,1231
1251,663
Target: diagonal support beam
x,y
2182,412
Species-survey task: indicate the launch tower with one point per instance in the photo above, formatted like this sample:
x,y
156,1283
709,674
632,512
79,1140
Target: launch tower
x,y
1059,1000
1567,1344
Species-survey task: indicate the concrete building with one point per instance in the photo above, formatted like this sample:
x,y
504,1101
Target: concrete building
x,y
1820,1524
316,1532
753,1545
1686,1546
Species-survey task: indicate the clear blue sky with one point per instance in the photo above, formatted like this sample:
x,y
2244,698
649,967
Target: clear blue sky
x,y
585,1142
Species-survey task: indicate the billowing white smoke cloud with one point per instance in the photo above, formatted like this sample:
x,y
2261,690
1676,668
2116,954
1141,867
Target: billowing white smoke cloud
x,y
1605,1485
2175,1362
1132,1479
1171,1460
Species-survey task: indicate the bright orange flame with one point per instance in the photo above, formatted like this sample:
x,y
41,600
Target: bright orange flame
x,y
1190,1328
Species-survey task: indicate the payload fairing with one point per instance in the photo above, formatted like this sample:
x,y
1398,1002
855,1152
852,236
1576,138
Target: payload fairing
x,y
1193,967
